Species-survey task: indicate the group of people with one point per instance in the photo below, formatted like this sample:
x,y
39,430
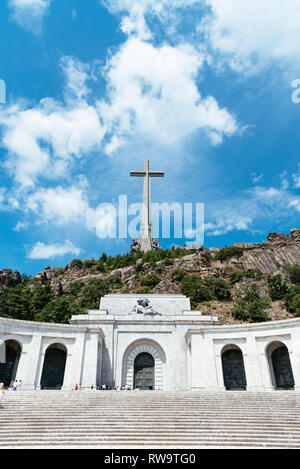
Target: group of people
x,y
15,385
104,387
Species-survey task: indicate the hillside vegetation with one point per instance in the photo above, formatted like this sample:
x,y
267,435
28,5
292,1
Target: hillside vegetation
x,y
240,283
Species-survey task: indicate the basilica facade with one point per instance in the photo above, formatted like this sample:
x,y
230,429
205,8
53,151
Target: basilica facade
x,y
155,342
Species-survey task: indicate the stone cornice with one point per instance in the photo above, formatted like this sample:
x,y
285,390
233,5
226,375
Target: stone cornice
x,y
262,326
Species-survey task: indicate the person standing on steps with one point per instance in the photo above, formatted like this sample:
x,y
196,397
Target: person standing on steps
x,y
1,393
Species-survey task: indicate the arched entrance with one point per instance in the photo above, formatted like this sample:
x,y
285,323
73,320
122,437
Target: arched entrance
x,y
144,368
142,358
54,367
234,369
281,368
8,370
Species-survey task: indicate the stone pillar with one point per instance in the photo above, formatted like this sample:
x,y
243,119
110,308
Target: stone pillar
x,y
295,356
198,361
219,372
265,371
252,366
28,369
76,364
67,384
210,364
90,362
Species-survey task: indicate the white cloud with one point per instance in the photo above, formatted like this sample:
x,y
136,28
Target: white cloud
x,y
152,92
295,204
44,140
296,178
254,33
62,206
29,13
250,208
44,251
136,11
256,178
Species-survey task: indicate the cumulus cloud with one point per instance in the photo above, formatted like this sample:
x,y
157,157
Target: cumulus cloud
x,y
47,251
64,206
252,207
252,34
44,140
61,206
29,13
152,92
136,11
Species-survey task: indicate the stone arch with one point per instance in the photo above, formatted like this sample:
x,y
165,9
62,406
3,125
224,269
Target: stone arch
x,y
62,344
144,346
281,373
233,367
54,365
8,370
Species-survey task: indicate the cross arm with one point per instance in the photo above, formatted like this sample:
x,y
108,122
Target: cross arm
x,y
138,174
156,174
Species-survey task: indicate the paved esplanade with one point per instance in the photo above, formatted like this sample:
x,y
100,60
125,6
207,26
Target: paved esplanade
x,y
146,234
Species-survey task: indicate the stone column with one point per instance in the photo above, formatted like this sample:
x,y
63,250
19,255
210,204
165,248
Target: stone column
x,y
90,362
28,369
265,371
219,372
76,364
295,356
67,384
252,366
198,361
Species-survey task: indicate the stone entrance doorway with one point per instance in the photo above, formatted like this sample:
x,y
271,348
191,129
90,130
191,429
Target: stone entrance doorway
x,y
283,373
54,367
8,370
234,370
144,371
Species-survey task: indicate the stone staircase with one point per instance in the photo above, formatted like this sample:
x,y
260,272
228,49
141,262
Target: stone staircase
x,y
145,419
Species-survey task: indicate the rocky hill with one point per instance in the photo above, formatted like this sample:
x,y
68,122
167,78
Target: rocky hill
x,y
233,282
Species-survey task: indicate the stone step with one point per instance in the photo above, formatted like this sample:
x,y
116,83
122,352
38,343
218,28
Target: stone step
x,y
149,419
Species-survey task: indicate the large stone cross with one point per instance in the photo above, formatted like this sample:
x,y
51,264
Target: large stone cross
x,y
146,225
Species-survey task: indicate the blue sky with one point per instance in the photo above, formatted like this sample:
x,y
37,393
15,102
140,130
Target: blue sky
x,y
201,87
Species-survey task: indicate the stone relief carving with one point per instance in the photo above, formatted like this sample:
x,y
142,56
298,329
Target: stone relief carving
x,y
144,307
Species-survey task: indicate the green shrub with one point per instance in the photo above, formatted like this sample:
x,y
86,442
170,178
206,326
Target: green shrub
x,y
75,288
289,297
200,290
168,262
92,291
236,276
250,306
228,252
76,263
101,267
143,290
193,287
178,275
219,288
277,287
150,280
59,310
160,268
58,272
115,281
294,274
89,263
295,306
